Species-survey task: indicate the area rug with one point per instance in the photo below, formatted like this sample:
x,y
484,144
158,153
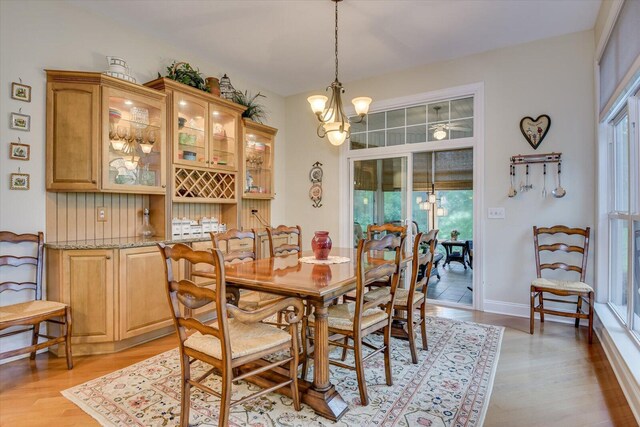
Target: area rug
x,y
450,386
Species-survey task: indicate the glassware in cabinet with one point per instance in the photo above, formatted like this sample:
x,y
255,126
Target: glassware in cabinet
x,y
224,127
133,142
258,160
190,136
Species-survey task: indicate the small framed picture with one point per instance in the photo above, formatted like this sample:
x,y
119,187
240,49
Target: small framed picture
x,y
20,122
19,151
20,181
21,92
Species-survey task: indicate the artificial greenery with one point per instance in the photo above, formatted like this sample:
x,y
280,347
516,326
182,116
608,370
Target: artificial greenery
x,y
255,111
183,72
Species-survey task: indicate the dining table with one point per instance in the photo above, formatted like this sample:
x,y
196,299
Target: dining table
x,y
320,285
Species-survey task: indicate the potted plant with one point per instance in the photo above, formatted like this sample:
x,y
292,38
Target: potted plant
x,y
184,73
255,111
454,235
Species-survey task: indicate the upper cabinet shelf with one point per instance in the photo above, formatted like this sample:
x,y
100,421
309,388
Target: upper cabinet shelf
x,y
257,153
204,127
104,134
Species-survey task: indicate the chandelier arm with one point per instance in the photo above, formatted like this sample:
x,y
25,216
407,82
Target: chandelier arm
x,y
324,117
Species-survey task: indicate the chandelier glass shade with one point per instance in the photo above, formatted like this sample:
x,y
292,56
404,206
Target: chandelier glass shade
x,y
334,123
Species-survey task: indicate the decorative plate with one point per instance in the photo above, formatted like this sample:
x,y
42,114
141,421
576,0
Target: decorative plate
x,y
534,130
315,175
315,192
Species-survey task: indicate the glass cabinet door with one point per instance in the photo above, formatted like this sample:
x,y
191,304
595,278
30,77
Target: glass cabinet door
x,y
222,151
190,136
259,164
133,147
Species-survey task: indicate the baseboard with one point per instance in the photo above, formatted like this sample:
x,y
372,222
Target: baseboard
x,y
629,383
520,310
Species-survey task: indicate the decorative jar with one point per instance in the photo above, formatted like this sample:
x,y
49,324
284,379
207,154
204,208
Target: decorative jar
x,y
321,244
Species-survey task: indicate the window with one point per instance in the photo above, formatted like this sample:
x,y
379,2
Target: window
x,y
624,215
435,121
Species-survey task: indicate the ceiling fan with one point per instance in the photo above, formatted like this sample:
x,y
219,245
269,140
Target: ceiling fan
x,y
440,129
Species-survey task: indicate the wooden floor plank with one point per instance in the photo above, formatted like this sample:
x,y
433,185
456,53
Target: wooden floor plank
x,y
553,378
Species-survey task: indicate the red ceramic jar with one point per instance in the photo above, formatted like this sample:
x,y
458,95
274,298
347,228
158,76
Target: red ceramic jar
x,y
321,244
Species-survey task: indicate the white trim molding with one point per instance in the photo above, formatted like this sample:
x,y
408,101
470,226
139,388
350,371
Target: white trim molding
x,y
621,350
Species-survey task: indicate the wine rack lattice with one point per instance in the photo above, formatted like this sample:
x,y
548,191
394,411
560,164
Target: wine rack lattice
x,y
201,184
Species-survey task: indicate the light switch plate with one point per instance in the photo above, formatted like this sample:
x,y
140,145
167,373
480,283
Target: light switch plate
x,y
496,213
101,214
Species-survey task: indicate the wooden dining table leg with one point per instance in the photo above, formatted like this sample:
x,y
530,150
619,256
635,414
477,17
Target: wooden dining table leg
x,y
322,395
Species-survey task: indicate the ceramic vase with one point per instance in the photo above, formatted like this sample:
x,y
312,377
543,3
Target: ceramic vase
x,y
321,245
214,85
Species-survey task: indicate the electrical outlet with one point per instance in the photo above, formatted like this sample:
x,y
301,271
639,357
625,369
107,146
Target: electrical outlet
x,y
254,211
101,214
496,213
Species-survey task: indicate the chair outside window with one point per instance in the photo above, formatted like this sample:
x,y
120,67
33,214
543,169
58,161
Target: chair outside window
x,y
287,247
407,301
31,314
542,286
234,339
355,320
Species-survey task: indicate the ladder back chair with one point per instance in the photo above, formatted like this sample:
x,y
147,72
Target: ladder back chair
x,y
357,319
378,231
287,248
407,301
234,339
238,247
541,286
32,313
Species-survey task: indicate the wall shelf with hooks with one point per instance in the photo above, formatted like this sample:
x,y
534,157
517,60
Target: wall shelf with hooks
x,y
522,159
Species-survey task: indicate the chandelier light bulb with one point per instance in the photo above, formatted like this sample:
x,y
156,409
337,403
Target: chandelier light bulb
x,y
361,105
317,103
337,137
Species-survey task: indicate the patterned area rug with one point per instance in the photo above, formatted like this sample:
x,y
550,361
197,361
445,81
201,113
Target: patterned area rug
x,y
450,386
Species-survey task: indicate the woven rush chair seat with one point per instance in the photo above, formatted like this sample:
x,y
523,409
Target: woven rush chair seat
x,y
402,295
245,339
341,316
24,310
562,285
29,315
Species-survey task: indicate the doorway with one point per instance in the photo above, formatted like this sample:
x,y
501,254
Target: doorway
x,y
441,197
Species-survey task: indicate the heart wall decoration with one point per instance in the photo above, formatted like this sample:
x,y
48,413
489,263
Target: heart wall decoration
x,y
534,130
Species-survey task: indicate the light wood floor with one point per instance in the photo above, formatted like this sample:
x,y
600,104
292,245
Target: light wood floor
x,y
553,378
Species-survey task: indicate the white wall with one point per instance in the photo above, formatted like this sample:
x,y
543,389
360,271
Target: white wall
x,y
39,35
552,76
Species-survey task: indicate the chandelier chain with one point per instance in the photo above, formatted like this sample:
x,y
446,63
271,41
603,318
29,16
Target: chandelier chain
x,y
336,32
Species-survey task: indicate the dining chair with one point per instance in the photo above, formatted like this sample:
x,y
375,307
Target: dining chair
x,y
294,232
407,301
233,340
30,314
357,319
238,247
376,231
541,286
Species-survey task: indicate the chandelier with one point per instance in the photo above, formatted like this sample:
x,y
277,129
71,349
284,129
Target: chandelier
x,y
334,124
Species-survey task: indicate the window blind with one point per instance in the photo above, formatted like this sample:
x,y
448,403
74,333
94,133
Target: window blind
x,y
621,51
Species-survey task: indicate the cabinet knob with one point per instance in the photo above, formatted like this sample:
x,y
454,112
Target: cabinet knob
x,y
108,257
163,186
93,181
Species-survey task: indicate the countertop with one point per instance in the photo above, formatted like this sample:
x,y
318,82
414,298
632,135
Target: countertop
x,y
123,242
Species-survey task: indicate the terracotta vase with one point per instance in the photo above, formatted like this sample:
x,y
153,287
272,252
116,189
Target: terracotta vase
x,y
321,244
214,85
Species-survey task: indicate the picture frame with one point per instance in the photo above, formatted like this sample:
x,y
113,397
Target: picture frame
x,y
20,181
20,92
20,122
19,151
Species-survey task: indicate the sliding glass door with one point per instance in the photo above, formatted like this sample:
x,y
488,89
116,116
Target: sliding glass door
x,y
379,193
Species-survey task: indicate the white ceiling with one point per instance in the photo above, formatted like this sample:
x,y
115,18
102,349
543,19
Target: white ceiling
x,y
287,45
